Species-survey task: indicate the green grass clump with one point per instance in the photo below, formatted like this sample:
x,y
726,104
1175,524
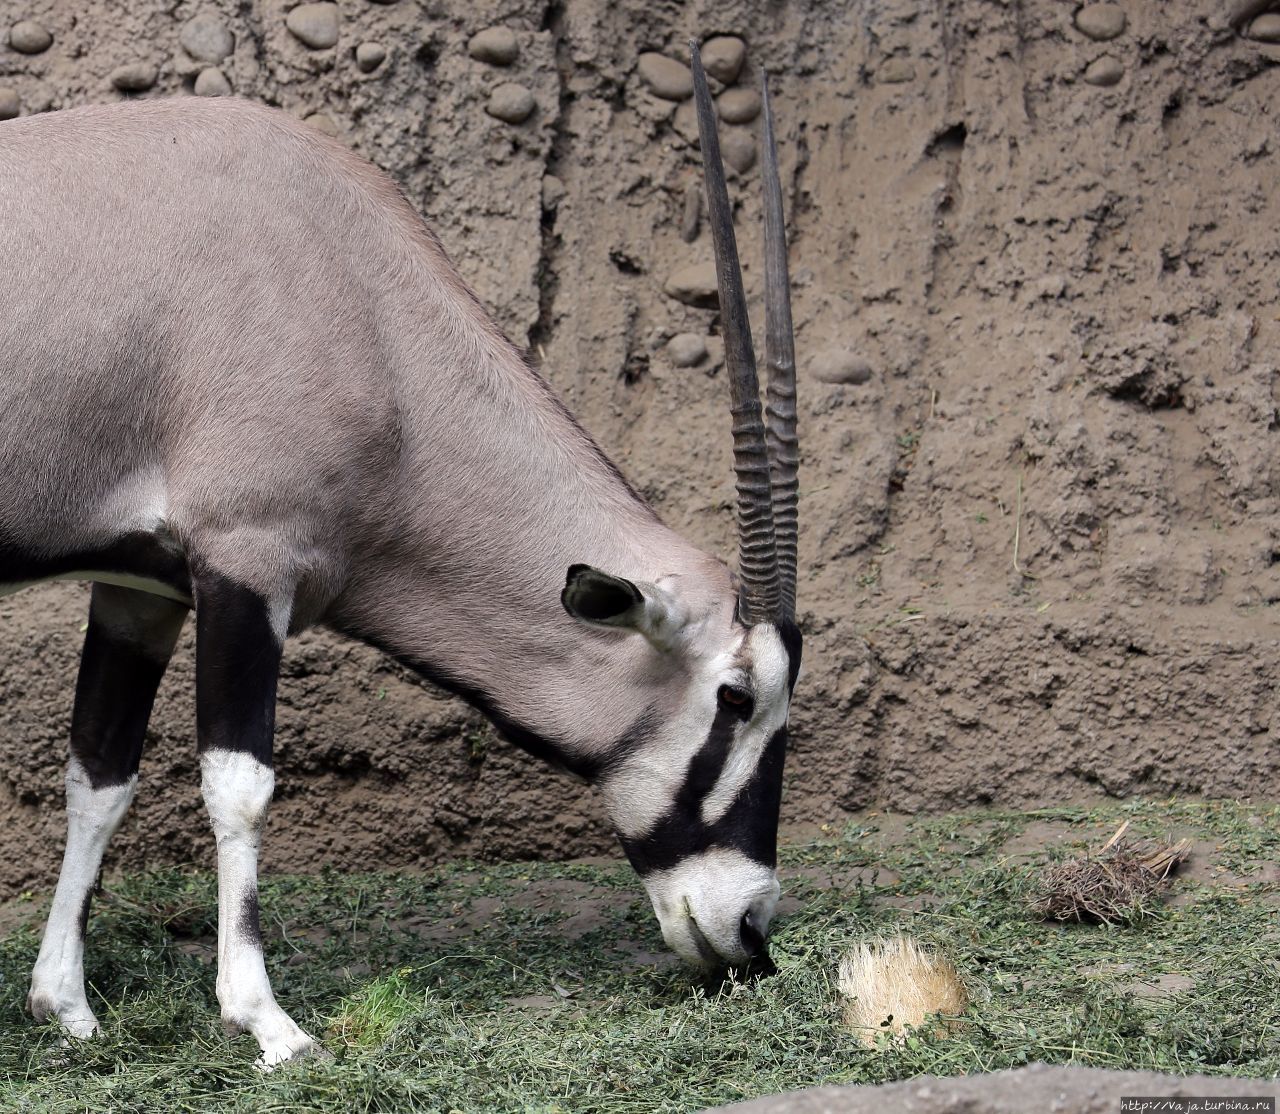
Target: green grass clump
x,y
544,987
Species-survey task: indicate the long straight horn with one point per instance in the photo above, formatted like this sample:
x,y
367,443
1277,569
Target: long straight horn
x,y
780,356
757,556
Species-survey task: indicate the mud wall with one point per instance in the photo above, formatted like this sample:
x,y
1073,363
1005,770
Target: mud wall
x,y
1035,252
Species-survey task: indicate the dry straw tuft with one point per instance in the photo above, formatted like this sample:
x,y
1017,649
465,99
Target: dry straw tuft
x,y
1115,885
894,985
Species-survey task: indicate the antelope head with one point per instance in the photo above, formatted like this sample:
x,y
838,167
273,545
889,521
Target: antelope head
x,y
695,794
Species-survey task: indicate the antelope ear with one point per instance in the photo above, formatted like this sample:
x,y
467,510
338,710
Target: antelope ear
x,y
599,598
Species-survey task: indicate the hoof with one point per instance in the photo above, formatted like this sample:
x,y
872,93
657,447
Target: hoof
x,y
277,1055
77,1021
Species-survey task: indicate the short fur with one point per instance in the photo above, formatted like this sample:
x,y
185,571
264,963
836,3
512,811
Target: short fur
x,y
893,985
240,373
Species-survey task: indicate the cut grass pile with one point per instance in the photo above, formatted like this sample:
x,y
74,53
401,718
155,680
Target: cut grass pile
x,y
1117,885
465,990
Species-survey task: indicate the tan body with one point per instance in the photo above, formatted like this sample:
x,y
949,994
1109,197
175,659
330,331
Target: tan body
x,y
238,373
279,365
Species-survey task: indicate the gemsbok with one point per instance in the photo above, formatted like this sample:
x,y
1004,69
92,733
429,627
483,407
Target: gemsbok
x,y
240,375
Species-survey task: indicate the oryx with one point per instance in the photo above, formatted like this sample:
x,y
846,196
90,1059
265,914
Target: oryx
x,y
240,375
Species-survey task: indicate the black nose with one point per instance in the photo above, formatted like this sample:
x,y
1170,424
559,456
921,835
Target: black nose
x,y
752,937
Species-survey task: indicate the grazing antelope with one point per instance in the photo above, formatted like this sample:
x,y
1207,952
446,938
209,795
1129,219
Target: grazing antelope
x,y
240,375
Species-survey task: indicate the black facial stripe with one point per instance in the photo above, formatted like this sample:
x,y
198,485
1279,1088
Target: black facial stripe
x,y
749,825
237,668
706,766
794,645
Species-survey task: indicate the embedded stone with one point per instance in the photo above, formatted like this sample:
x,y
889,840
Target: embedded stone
x,y
553,191
687,349
722,57
496,45
212,83
839,365
665,77
694,285
206,38
314,25
1101,22
1266,28
511,103
685,122
738,106
369,56
322,122
28,37
134,77
691,213
896,71
1104,71
10,103
738,150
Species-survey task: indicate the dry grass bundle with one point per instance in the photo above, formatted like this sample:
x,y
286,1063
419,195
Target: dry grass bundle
x,y
1115,885
896,984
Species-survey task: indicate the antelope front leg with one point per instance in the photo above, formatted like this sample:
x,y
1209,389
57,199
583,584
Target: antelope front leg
x,y
126,648
237,665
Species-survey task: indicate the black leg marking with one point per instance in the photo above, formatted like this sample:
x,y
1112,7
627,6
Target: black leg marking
x,y
126,649
250,925
237,668
84,912
149,556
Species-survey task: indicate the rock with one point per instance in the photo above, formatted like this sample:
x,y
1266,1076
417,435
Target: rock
x,y
1266,28
657,338
553,191
28,37
495,45
691,216
134,77
665,77
839,365
896,71
1101,22
738,106
511,102
687,349
722,57
212,83
314,25
685,122
695,285
10,104
369,56
322,122
738,150
206,38
1104,71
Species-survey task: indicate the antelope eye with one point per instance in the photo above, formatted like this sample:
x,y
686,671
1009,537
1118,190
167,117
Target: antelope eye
x,y
735,700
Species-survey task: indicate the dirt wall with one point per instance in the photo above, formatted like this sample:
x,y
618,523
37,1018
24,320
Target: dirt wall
x,y
1035,253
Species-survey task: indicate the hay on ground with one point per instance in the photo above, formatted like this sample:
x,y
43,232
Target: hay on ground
x,y
1116,885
